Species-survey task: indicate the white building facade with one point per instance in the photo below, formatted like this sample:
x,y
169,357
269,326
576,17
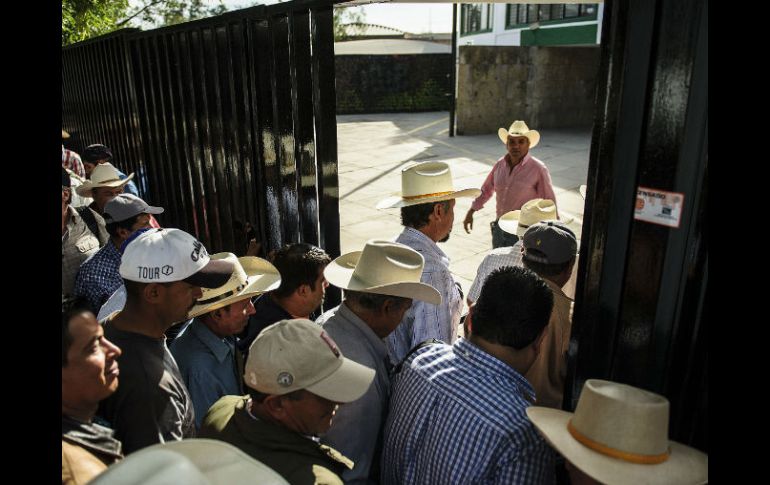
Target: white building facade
x,y
499,24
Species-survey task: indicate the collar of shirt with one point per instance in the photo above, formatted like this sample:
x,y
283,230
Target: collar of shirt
x,y
422,242
488,363
523,163
219,347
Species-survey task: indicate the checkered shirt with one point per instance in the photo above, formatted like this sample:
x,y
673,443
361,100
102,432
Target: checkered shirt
x,y
99,276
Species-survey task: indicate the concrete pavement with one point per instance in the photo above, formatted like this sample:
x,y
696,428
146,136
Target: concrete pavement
x,y
372,149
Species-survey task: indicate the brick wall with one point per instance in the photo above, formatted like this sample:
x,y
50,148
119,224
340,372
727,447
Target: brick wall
x,y
392,83
548,87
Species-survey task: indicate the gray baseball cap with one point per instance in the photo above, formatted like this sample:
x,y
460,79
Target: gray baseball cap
x,y
549,242
126,206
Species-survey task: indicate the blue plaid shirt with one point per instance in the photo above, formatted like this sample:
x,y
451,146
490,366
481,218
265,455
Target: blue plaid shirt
x,y
99,276
458,416
424,320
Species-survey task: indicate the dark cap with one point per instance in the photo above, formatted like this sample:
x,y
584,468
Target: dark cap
x,y
549,242
94,153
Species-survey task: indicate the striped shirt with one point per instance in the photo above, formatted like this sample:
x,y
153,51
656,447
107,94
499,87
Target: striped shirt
x,y
458,416
497,258
424,320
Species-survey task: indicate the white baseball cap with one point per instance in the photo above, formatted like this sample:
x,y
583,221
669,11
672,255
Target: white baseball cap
x,y
297,354
169,255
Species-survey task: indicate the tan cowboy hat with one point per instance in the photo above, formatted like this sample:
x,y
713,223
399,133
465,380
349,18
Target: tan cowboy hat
x,y
517,222
425,182
519,128
195,461
619,435
103,175
384,268
64,134
252,276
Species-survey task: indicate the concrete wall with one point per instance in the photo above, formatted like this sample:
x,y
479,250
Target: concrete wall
x,y
392,83
548,87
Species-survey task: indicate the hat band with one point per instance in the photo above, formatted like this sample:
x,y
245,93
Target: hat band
x,y
106,181
615,453
425,196
222,296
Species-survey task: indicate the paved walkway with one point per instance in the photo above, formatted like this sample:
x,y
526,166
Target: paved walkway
x,y
373,148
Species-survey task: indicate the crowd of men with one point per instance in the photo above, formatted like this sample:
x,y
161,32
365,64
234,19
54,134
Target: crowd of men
x,y
191,347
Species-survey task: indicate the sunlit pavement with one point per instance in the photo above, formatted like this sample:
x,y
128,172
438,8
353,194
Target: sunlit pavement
x,y
373,148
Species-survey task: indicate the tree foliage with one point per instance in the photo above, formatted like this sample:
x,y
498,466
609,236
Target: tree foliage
x,y
83,19
343,16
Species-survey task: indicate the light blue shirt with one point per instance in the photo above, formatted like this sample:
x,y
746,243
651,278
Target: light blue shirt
x,y
208,367
424,320
357,425
458,416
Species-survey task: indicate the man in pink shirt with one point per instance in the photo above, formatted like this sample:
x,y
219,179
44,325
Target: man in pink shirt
x,y
517,177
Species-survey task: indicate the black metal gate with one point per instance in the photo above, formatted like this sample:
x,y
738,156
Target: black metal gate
x,y
225,119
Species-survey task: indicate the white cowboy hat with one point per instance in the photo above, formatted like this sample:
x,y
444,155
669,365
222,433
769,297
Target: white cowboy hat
x,y
619,435
425,182
519,128
103,175
195,461
517,222
384,268
252,276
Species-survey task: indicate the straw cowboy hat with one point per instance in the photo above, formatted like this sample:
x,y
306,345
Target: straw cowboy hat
x,y
384,268
519,128
252,276
64,134
103,175
425,182
194,461
619,435
582,189
517,222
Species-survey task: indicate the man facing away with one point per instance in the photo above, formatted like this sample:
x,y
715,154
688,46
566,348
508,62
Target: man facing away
x,y
163,271
205,352
550,250
89,373
297,377
427,201
379,285
458,412
516,178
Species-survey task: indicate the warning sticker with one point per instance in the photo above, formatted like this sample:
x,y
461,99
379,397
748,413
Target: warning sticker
x,y
658,206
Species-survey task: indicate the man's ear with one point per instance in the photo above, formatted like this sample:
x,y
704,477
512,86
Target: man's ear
x,y
303,290
152,292
275,407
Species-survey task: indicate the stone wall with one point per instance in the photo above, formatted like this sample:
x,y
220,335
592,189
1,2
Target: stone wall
x,y
548,87
392,83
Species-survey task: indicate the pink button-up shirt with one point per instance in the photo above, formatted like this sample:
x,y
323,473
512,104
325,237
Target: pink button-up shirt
x,y
528,180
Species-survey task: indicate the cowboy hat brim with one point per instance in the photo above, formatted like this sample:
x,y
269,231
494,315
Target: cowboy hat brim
x,y
261,279
86,189
340,274
532,135
398,201
64,135
510,224
685,465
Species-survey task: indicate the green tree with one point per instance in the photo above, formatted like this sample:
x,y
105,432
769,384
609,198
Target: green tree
x,y
83,19
343,16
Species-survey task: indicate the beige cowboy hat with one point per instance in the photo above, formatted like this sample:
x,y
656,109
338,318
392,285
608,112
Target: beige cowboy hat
x,y
582,189
252,276
619,435
384,268
195,461
425,182
64,134
517,222
519,128
103,175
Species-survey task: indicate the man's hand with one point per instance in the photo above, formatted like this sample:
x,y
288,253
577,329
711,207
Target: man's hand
x,y
468,222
